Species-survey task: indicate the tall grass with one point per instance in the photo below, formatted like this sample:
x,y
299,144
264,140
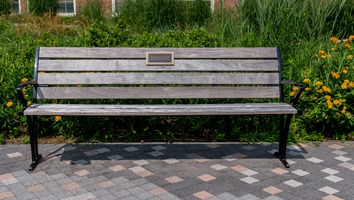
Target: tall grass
x,y
279,22
149,15
39,7
5,7
92,10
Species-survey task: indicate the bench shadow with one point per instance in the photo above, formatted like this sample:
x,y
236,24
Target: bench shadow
x,y
85,154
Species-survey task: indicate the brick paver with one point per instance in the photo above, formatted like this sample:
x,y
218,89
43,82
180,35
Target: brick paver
x,y
212,171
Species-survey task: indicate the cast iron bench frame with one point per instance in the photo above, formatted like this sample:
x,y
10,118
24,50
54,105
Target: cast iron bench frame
x,y
211,61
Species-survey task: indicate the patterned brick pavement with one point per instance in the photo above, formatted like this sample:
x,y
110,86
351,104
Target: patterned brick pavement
x,y
211,171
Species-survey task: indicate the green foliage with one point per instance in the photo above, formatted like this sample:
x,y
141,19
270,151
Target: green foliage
x,y
39,7
329,96
343,23
2,139
92,10
5,7
149,15
100,34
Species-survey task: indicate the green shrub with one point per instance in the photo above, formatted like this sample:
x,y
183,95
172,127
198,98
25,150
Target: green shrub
x,y
5,7
101,34
39,7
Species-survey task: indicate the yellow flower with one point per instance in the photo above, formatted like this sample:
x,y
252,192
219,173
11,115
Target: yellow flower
x,y
295,88
54,103
351,84
292,93
320,91
326,89
344,86
319,83
345,71
346,81
323,57
337,113
332,49
337,76
351,38
9,104
343,111
334,40
24,79
350,56
39,40
57,118
79,85
307,89
342,101
328,97
322,52
301,95
24,89
336,102
316,55
53,42
41,72
330,104
330,55
349,47
306,80
29,103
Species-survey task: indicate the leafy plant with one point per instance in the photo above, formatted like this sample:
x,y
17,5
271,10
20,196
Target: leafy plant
x,y
39,7
2,139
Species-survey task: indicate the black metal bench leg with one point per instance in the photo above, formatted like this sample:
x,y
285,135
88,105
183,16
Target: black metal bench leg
x,y
32,126
283,138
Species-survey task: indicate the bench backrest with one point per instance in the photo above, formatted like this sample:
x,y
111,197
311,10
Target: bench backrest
x,y
242,72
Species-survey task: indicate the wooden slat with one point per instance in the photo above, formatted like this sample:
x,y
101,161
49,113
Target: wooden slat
x,y
140,53
159,112
154,78
158,106
140,65
156,92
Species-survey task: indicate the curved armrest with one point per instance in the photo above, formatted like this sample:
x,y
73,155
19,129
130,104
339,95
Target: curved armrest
x,y
20,92
298,92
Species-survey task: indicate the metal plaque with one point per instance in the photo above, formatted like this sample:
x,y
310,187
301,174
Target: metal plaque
x,y
160,58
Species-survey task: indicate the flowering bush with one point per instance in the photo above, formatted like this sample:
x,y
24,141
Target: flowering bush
x,y
329,86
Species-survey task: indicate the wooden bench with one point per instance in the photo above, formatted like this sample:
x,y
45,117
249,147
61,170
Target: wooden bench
x,y
237,73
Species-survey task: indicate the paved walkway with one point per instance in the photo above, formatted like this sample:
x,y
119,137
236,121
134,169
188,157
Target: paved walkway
x,y
178,171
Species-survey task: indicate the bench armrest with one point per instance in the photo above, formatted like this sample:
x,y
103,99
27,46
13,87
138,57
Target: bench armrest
x,y
22,95
298,92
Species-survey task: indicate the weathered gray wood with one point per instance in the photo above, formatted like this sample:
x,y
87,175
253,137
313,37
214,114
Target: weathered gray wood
x,y
125,53
154,78
140,65
156,92
158,106
159,112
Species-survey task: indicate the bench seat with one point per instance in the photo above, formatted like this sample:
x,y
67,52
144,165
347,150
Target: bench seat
x,y
119,74
159,110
